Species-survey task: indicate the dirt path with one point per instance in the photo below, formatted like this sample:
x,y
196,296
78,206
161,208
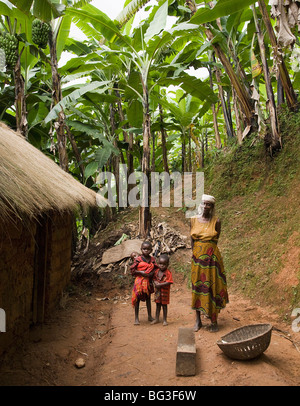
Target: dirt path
x,y
146,354
97,325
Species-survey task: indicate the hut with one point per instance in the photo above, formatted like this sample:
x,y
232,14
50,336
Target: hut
x,y
37,204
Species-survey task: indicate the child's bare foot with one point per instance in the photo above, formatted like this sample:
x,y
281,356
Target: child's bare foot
x,y
165,323
136,323
155,321
150,318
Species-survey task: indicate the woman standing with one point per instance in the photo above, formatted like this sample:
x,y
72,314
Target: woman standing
x,y
209,287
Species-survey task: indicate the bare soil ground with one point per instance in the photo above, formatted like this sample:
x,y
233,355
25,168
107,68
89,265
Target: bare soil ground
x,y
95,323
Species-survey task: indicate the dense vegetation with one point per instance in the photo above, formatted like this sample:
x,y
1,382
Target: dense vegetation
x,y
137,102
258,199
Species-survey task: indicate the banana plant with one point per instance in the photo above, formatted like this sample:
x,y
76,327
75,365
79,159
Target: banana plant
x,y
279,63
205,17
230,7
184,110
140,54
16,25
51,12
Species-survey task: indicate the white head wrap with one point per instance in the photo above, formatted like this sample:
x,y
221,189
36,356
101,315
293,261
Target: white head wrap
x,y
208,198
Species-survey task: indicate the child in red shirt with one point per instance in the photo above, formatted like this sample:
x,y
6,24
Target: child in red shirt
x,y
142,269
162,281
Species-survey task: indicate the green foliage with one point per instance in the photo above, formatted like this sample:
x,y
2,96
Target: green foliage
x,y
44,10
257,200
231,171
242,169
131,70
130,9
222,8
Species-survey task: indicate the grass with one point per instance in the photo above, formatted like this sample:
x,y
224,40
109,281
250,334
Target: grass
x,y
258,202
185,270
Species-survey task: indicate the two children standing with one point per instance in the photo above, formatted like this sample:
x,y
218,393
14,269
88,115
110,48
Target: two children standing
x,y
150,277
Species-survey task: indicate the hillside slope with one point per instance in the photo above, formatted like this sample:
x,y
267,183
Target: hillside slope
x,y
258,201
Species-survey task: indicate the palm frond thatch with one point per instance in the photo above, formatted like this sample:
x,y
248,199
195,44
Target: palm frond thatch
x,y
32,184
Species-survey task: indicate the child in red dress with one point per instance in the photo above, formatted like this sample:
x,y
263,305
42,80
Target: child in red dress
x,y
162,281
143,269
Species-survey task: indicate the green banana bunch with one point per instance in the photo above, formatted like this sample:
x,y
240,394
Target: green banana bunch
x,y
9,43
40,33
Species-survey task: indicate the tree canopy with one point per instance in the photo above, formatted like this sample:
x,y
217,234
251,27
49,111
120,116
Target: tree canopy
x,y
165,94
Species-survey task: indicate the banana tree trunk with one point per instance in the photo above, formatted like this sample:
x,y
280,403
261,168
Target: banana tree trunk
x,y
237,118
115,159
183,152
56,97
75,150
244,98
20,100
127,138
278,59
202,152
280,92
275,136
214,112
163,141
198,149
229,112
229,129
144,213
189,154
153,152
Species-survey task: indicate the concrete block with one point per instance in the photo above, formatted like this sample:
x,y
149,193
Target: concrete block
x,y
186,352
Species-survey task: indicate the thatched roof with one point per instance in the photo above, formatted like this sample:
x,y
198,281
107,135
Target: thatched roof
x,y
31,183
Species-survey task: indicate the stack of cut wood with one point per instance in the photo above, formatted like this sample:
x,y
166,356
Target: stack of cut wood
x,y
163,238
166,240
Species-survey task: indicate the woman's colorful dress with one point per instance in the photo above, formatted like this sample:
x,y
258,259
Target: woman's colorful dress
x,y
209,287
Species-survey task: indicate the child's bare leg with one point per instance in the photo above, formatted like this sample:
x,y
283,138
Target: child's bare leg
x,y
136,313
165,313
157,313
148,304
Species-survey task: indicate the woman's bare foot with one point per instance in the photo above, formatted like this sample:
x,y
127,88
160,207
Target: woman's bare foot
x,y
197,325
213,328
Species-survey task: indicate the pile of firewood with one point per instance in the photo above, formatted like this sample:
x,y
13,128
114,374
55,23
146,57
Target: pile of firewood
x,y
166,240
163,238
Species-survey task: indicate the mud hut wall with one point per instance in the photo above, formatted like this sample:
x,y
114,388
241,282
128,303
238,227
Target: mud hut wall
x,y
18,245
17,251
59,259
